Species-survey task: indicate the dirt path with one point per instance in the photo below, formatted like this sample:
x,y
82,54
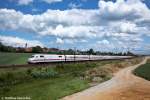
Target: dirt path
x,y
123,86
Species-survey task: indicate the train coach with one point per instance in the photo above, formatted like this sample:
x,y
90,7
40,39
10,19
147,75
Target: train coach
x,y
43,58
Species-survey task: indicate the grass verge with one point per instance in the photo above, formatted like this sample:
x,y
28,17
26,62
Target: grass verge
x,y
143,71
47,89
44,83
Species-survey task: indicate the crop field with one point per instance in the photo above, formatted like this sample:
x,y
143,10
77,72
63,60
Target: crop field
x,y
14,58
143,71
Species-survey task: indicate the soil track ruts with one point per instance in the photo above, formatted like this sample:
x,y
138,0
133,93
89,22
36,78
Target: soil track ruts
x,y
123,86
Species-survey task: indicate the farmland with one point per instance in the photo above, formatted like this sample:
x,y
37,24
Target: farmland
x,y
44,83
55,81
143,71
14,58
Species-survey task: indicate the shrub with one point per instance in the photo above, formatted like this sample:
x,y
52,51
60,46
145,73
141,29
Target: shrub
x,y
6,89
6,79
119,65
52,73
2,79
29,71
67,68
91,64
78,74
9,76
148,61
107,77
35,74
44,74
39,68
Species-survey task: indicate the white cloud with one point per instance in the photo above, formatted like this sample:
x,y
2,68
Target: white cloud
x,y
52,22
128,27
19,42
121,9
105,42
73,41
24,2
83,41
59,41
122,21
69,41
72,31
52,1
78,23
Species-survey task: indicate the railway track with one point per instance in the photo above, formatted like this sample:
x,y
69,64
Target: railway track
x,y
54,63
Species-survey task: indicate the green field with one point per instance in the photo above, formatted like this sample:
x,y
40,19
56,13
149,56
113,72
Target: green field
x,y
47,83
14,58
47,89
143,71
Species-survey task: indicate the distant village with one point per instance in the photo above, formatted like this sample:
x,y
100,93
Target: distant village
x,y
38,49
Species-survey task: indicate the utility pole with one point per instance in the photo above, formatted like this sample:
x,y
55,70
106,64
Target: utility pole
x,y
74,53
89,57
26,45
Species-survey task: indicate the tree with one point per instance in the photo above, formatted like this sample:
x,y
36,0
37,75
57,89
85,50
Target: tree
x,y
70,51
1,47
129,53
4,48
91,51
37,49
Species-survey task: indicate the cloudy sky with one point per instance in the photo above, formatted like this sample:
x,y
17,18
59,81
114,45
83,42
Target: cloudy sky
x,y
106,25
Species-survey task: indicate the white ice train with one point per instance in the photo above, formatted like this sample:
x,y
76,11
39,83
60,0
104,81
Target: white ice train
x,y
43,58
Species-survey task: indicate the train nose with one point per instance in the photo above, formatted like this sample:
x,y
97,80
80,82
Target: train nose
x,y
30,60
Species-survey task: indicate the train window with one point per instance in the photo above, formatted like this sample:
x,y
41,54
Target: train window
x,y
41,56
32,56
60,56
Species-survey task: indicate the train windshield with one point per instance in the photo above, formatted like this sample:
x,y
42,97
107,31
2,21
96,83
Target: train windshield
x,y
32,56
41,56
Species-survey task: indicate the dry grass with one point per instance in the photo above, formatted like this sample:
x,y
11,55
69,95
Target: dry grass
x,y
105,72
148,61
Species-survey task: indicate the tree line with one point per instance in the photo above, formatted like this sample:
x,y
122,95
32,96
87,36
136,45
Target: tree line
x,y
38,49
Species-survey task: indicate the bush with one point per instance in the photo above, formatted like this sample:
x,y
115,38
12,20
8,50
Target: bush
x,y
107,77
6,89
29,71
148,61
78,74
2,79
9,76
48,73
91,64
67,68
12,78
119,65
